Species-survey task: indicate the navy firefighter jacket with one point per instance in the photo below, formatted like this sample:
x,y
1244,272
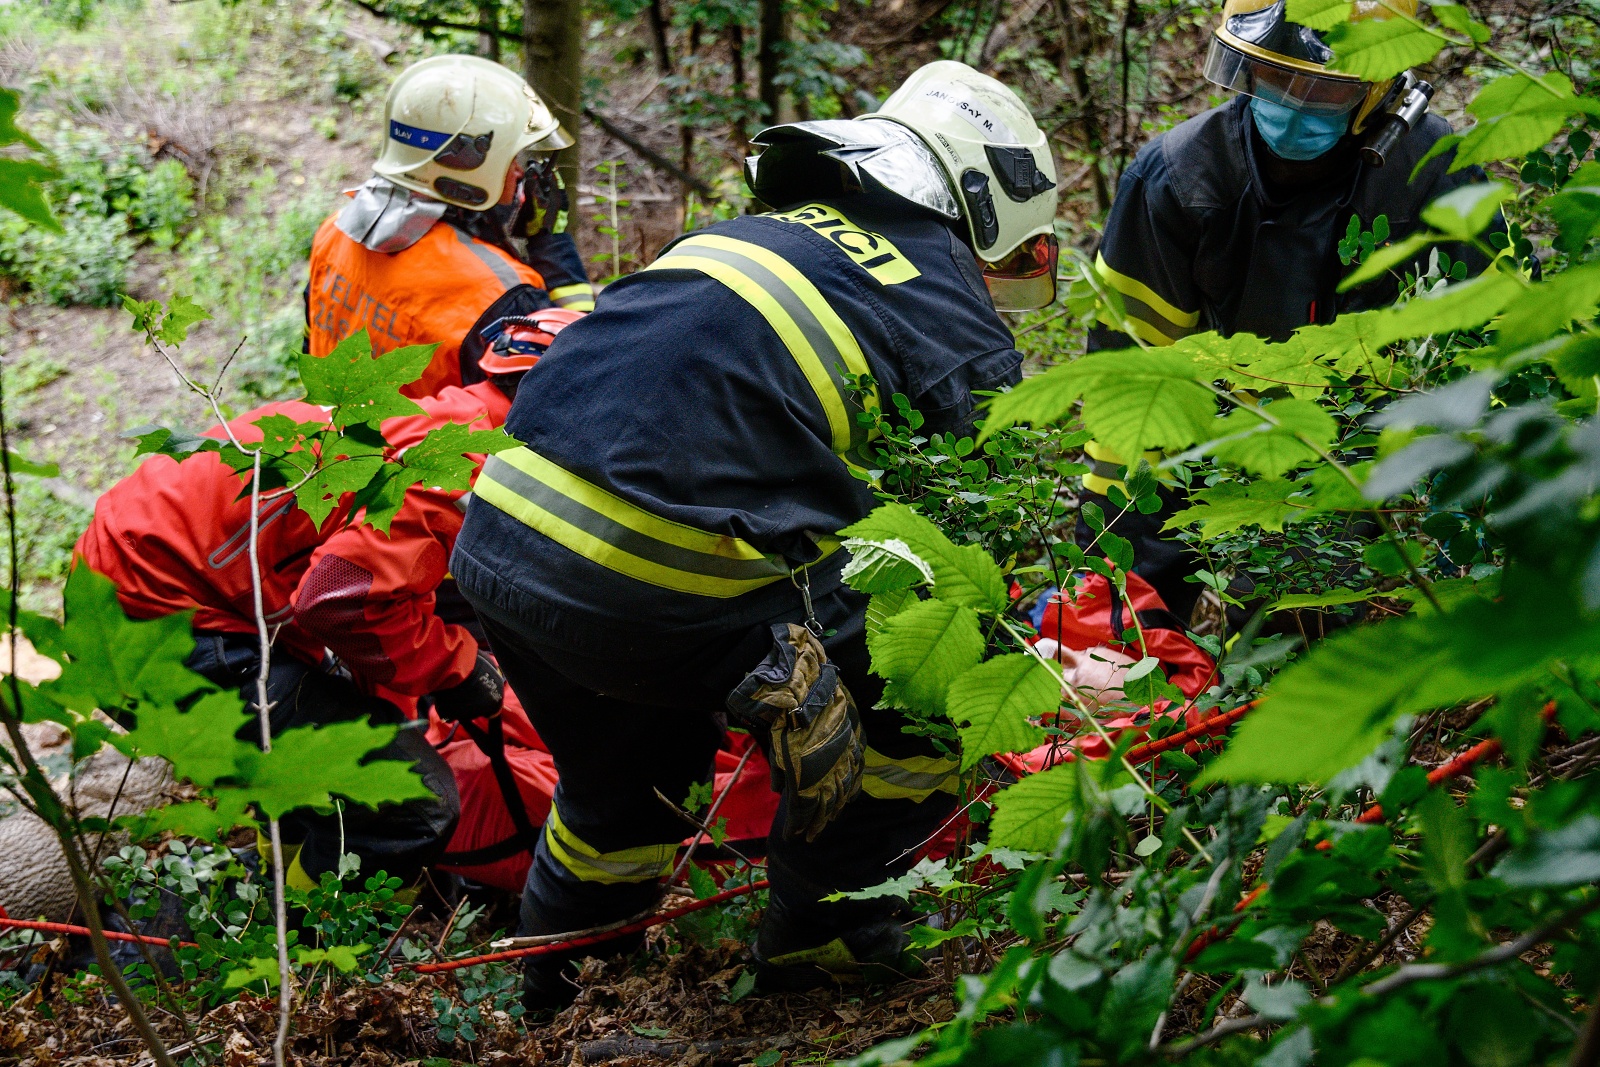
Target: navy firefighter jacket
x,y
1198,240
684,446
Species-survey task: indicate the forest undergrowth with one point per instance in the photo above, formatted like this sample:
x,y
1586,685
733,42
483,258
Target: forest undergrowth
x,y
1371,836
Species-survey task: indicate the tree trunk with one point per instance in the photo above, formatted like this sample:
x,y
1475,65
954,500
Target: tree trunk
x,y
1079,45
488,39
769,53
741,143
552,61
658,37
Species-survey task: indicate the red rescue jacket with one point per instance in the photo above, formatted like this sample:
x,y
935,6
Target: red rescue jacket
x,y
430,292
174,537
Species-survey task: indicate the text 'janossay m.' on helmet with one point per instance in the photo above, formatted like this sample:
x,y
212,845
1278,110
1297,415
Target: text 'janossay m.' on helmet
x,y
1257,51
455,124
952,140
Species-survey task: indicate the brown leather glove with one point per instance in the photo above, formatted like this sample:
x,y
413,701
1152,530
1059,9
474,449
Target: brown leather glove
x,y
814,730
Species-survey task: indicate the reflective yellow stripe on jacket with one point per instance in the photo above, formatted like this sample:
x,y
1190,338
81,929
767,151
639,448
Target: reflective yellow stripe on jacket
x,y
818,339
591,865
603,527
913,778
1152,319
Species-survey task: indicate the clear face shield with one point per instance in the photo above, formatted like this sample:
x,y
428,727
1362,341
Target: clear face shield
x,y
1026,279
1313,94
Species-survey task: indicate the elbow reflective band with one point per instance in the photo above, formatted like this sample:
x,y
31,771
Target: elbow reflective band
x,y
579,297
818,339
601,526
1152,318
913,778
588,864
1105,466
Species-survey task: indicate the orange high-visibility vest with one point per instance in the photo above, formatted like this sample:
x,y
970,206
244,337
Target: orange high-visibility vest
x,y
431,292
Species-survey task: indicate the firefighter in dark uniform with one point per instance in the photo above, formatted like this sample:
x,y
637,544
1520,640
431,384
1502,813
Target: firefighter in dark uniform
x,y
1231,221
684,472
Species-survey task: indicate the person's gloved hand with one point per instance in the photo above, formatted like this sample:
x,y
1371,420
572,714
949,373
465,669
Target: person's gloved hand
x,y
543,200
478,696
816,752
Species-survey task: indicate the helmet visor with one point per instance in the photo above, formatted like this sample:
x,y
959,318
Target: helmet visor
x,y
1025,280
1314,94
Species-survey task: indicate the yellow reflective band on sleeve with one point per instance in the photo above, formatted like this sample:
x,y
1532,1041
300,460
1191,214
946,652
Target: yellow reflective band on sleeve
x,y
1103,467
913,778
603,527
872,252
578,297
1151,318
642,864
816,337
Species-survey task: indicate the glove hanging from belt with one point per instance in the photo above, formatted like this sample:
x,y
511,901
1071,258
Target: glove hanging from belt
x,y
814,731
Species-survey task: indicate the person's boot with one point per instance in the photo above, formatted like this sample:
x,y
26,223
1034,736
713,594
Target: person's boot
x,y
791,954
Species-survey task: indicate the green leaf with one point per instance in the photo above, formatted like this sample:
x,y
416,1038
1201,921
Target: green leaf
x,y
1463,306
1320,15
883,566
922,650
116,662
1464,212
1032,814
1378,49
1225,508
1387,258
1273,450
10,132
924,937
1456,17
195,818
963,574
742,987
993,702
321,494
1548,306
199,743
361,388
1295,601
1134,400
21,465
1576,209
345,958
1447,840
1518,91
180,314
883,606
256,969
22,191
279,780
1555,858
1516,115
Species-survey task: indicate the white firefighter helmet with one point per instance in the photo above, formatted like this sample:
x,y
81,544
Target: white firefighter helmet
x,y
976,154
455,124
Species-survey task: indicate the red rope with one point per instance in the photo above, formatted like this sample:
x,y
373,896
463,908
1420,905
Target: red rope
x,y
591,939
68,928
1151,749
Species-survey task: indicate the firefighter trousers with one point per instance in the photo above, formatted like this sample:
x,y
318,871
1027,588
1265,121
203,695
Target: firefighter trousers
x,y
620,729
400,839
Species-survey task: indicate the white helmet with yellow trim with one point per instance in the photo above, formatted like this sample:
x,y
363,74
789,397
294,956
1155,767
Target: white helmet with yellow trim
x,y
455,124
949,139
1257,51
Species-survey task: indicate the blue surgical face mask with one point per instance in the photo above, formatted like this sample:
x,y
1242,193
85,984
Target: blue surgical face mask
x,y
1295,134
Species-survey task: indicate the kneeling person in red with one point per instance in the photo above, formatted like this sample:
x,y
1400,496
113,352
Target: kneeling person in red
x,y
352,611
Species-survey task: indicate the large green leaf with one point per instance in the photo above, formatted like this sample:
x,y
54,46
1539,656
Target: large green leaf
x,y
22,191
1464,212
1378,49
1321,15
1032,814
884,566
309,764
994,701
1516,114
117,662
1463,306
199,743
1547,307
922,650
1273,450
362,388
962,574
1222,509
